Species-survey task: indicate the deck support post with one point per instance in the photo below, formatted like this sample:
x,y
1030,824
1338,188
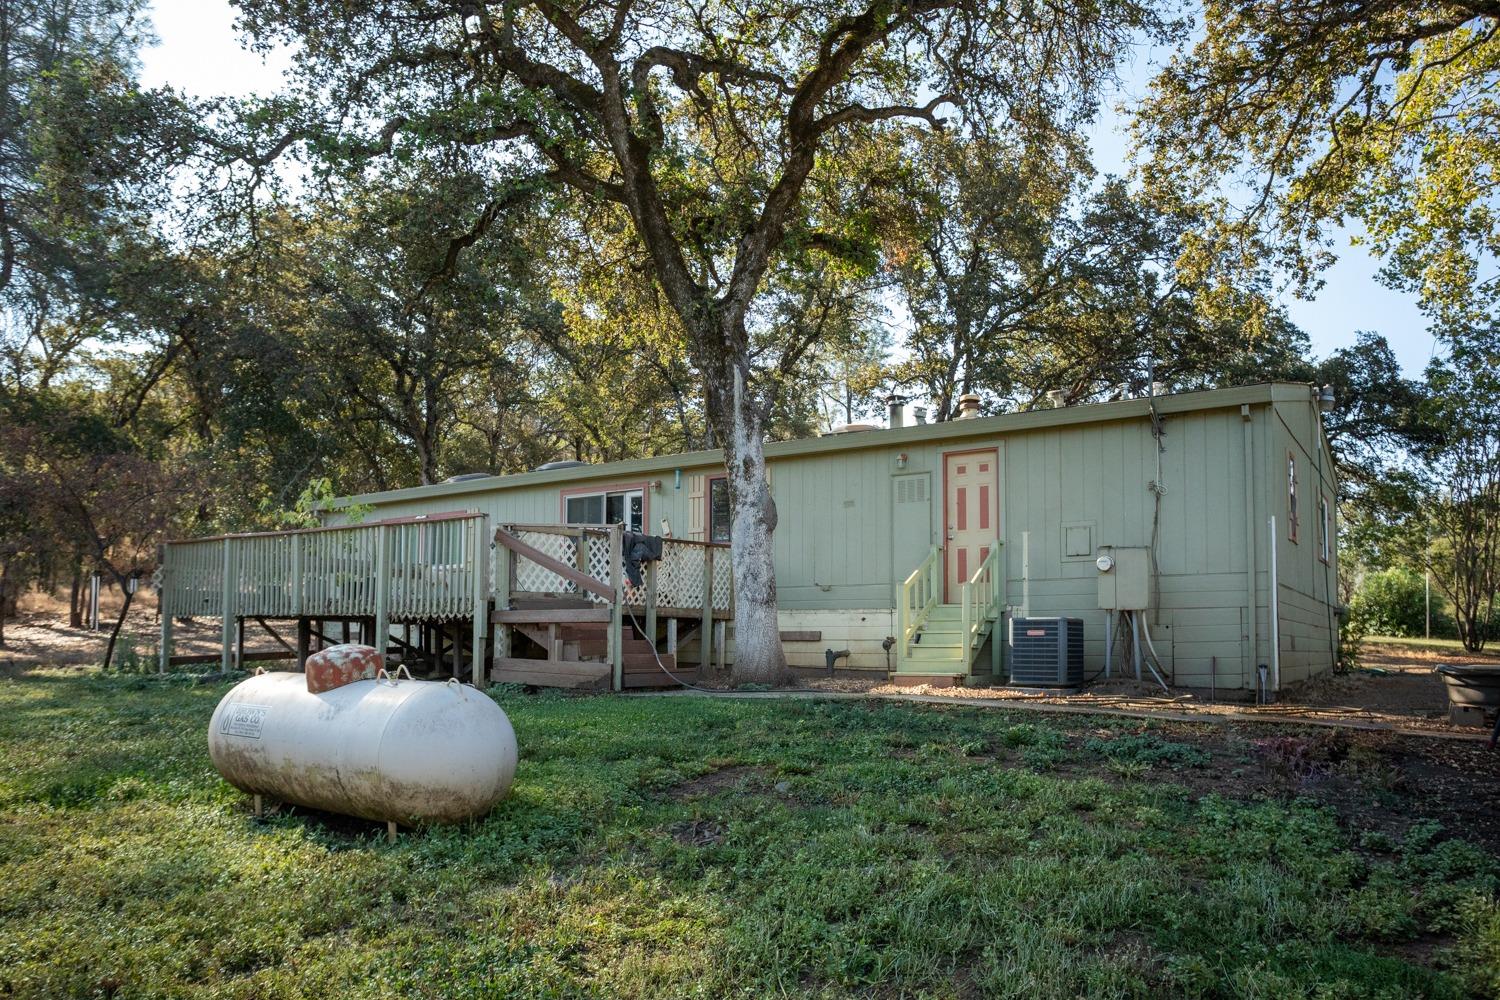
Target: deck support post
x,y
671,635
480,537
500,639
617,612
239,642
164,612
229,593
705,630
651,603
304,642
382,592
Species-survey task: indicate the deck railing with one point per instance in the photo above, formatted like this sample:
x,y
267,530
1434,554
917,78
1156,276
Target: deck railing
x,y
690,576
980,599
412,569
539,563
919,595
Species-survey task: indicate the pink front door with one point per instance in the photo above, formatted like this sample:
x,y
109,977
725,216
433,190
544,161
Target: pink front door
x,y
971,514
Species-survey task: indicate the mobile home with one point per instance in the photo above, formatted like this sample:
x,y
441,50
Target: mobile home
x,y
1229,495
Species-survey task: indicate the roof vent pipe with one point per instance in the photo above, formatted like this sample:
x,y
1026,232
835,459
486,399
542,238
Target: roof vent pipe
x,y
919,414
1058,398
1325,399
968,406
897,407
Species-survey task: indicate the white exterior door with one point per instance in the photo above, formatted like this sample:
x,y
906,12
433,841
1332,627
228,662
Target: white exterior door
x,y
971,514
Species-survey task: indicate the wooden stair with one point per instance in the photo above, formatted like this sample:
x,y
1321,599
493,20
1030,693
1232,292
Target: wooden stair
x,y
579,658
938,655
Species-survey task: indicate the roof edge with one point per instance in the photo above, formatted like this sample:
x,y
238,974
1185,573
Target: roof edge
x,y
1023,420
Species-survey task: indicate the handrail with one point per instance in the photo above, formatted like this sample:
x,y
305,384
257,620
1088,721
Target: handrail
x,y
453,515
600,529
557,566
979,597
919,593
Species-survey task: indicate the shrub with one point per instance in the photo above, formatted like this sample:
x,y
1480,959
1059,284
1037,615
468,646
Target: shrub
x,y
1391,602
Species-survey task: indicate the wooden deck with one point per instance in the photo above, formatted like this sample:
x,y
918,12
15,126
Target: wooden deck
x,y
562,595
536,604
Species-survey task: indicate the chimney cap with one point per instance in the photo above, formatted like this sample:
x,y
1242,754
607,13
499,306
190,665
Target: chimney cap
x,y
968,406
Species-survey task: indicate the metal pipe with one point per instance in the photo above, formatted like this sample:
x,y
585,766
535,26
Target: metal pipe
x,y
1025,574
1109,641
1274,607
1253,625
1160,667
1135,636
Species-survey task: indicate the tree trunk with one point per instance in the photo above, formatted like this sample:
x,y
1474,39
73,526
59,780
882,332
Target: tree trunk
x,y
75,599
758,656
4,590
109,649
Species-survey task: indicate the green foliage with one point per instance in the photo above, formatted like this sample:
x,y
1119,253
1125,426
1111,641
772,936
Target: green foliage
x,y
1381,112
1146,749
1390,602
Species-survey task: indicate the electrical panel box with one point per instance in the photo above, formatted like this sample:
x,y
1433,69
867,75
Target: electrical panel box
x,y
1124,579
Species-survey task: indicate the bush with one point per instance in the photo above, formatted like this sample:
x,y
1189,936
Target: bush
x,y
1390,602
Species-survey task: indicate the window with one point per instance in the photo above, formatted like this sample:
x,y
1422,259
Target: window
x,y
625,507
1293,516
720,515
1325,520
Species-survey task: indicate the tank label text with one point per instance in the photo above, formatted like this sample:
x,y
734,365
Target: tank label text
x,y
244,720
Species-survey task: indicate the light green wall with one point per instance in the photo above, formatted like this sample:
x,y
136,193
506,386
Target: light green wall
x,y
834,543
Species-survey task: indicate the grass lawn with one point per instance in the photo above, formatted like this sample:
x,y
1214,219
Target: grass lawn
x,y
712,848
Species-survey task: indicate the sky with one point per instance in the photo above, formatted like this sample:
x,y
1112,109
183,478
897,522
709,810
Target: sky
x,y
200,53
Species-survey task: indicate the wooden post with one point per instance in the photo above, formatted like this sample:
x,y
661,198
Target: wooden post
x,y
503,556
651,603
304,642
228,596
705,631
671,635
239,642
382,590
616,617
164,610
479,533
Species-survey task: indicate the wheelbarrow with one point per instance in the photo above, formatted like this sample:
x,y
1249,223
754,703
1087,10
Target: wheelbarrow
x,y
1473,694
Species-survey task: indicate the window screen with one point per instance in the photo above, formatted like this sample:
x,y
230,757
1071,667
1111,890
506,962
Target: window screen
x,y
586,510
720,517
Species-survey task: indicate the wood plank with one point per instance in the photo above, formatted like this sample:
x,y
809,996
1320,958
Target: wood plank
x,y
550,616
557,566
801,635
549,673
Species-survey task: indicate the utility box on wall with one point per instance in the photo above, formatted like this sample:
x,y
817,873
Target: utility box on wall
x,y
1124,579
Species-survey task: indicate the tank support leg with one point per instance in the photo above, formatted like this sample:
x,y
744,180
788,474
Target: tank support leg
x,y
260,809
390,831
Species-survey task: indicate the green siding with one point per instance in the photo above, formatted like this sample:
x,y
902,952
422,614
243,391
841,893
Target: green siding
x,y
835,542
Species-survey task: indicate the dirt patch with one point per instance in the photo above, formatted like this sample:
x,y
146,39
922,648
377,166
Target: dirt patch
x,y
45,638
698,832
720,780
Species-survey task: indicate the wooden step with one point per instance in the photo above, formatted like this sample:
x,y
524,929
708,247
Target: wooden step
x,y
934,679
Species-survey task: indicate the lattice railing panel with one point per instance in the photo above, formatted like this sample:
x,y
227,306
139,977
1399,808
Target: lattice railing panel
x,y
679,576
723,586
532,578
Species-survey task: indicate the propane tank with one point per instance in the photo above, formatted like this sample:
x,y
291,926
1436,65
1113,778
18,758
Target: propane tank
x,y
392,749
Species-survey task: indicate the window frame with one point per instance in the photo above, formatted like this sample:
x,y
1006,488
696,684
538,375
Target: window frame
x,y
604,491
1293,501
708,511
1326,523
